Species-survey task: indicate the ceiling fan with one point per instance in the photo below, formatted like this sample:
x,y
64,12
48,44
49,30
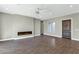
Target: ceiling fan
x,y
38,10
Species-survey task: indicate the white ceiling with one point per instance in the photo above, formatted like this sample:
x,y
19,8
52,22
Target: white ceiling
x,y
47,11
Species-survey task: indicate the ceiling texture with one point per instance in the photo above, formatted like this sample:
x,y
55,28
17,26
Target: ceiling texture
x,y
40,11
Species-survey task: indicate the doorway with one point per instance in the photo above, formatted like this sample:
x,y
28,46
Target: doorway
x,y
66,29
42,27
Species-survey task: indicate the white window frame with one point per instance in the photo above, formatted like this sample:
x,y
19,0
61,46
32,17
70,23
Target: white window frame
x,y
51,27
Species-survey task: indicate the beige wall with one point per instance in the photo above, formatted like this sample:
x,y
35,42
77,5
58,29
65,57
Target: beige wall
x,y
11,24
58,20
37,27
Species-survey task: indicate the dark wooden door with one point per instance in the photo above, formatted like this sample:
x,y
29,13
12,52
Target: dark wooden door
x,y
66,29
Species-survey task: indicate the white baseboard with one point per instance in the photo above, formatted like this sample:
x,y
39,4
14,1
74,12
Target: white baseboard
x,y
53,35
19,37
75,39
61,36
37,35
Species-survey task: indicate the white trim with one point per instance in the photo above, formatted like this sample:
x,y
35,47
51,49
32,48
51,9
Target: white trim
x,y
19,37
37,35
22,37
53,35
75,39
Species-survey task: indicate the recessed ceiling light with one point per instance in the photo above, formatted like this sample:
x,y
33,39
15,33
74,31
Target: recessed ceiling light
x,y
70,6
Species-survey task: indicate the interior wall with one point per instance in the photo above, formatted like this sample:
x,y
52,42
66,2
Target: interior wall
x,y
11,24
58,28
37,27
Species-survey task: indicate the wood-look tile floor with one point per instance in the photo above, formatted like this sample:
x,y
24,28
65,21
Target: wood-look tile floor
x,y
40,45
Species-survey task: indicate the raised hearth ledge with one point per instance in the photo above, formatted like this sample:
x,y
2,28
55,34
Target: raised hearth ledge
x,y
19,37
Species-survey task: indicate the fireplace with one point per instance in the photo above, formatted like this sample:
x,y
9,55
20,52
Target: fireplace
x,y
24,33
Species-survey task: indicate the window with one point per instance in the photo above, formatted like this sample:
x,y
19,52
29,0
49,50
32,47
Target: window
x,y
51,27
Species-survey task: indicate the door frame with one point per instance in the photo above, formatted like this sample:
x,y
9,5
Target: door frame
x,y
70,28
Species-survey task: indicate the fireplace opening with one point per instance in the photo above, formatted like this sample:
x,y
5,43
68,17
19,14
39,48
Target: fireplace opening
x,y
24,33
